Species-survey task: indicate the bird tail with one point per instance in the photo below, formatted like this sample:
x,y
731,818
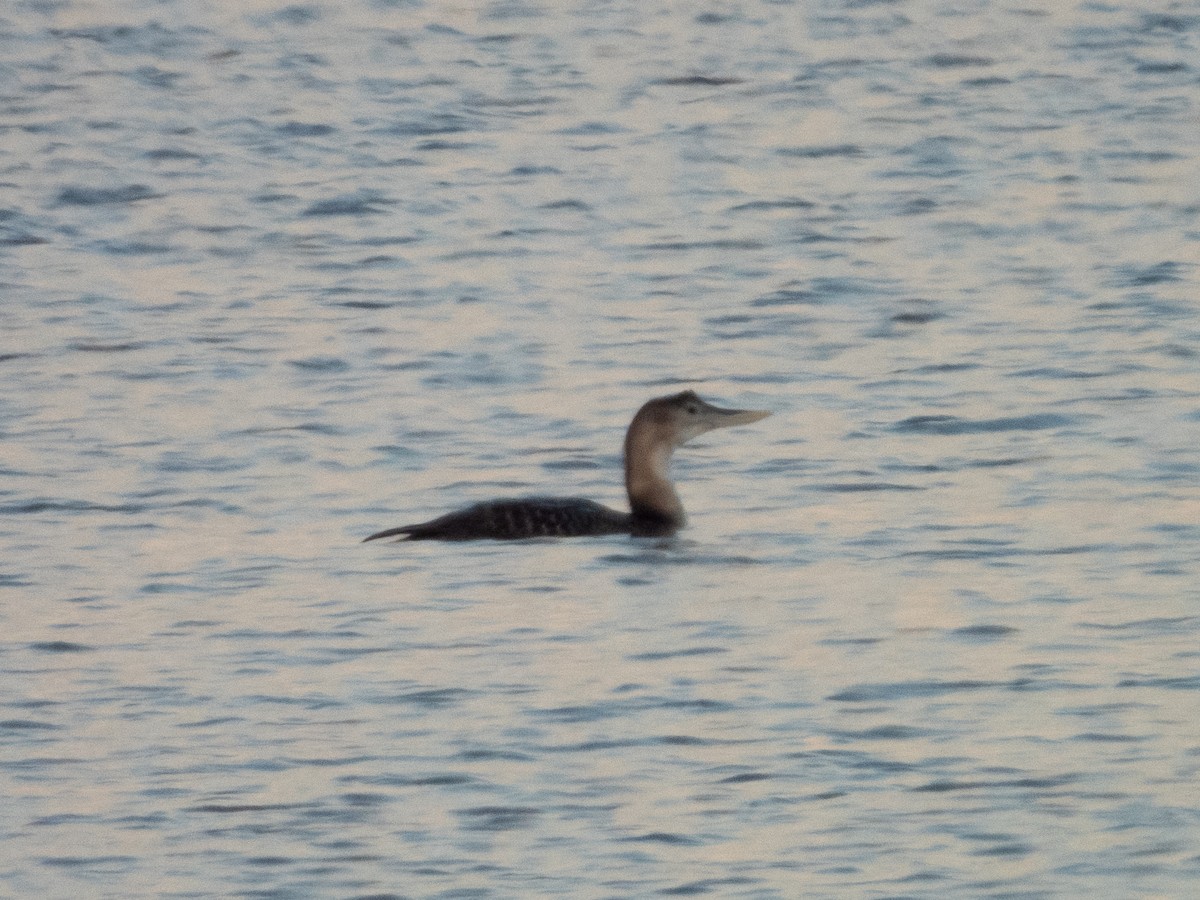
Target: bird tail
x,y
405,530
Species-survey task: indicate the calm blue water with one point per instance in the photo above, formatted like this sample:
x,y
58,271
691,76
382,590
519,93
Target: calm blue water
x,y
273,277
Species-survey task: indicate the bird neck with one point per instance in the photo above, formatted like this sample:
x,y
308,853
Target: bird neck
x,y
651,494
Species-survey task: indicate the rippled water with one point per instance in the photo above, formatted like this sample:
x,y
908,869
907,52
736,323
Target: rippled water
x,y
273,277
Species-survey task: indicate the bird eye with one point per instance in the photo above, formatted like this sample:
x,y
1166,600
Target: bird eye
x,y
691,410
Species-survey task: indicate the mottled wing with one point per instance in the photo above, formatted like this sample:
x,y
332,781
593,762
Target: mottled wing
x,y
507,520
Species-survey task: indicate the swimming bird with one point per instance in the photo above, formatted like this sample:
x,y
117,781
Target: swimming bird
x,y
659,427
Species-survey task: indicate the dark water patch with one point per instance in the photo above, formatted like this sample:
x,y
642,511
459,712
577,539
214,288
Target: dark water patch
x,y
983,632
268,197
767,205
811,235
268,861
941,368
698,81
721,244
657,554
211,723
352,652
977,549
18,229
661,837
787,297
1132,275
172,154
41,506
850,641
433,146
434,124
358,203
398,452
1001,462
948,785
185,461
739,327
957,61
746,778
916,317
569,204
259,635
320,364
1180,683
154,77
445,780
884,733
1056,372
592,128
1097,737
15,238
653,656
304,427
904,690
1009,849
596,712
917,206
822,151
153,39
98,347
1178,529
133,248
498,818
110,864
577,714
239,808
429,698
62,819
1161,625
27,725
488,754
304,129
330,762
388,240
684,740
849,288
931,157
592,746
60,647
39,764
861,487
1142,157
918,468
159,586
1168,23
363,799
573,465
82,195
704,886
1154,67
308,703
526,171
952,425
295,14
1032,685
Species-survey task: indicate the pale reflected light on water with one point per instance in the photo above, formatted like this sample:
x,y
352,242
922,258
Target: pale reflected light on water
x,y
277,276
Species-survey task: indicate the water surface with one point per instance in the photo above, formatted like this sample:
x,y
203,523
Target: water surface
x,y
274,277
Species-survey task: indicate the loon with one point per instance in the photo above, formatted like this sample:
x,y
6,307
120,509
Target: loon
x,y
659,427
